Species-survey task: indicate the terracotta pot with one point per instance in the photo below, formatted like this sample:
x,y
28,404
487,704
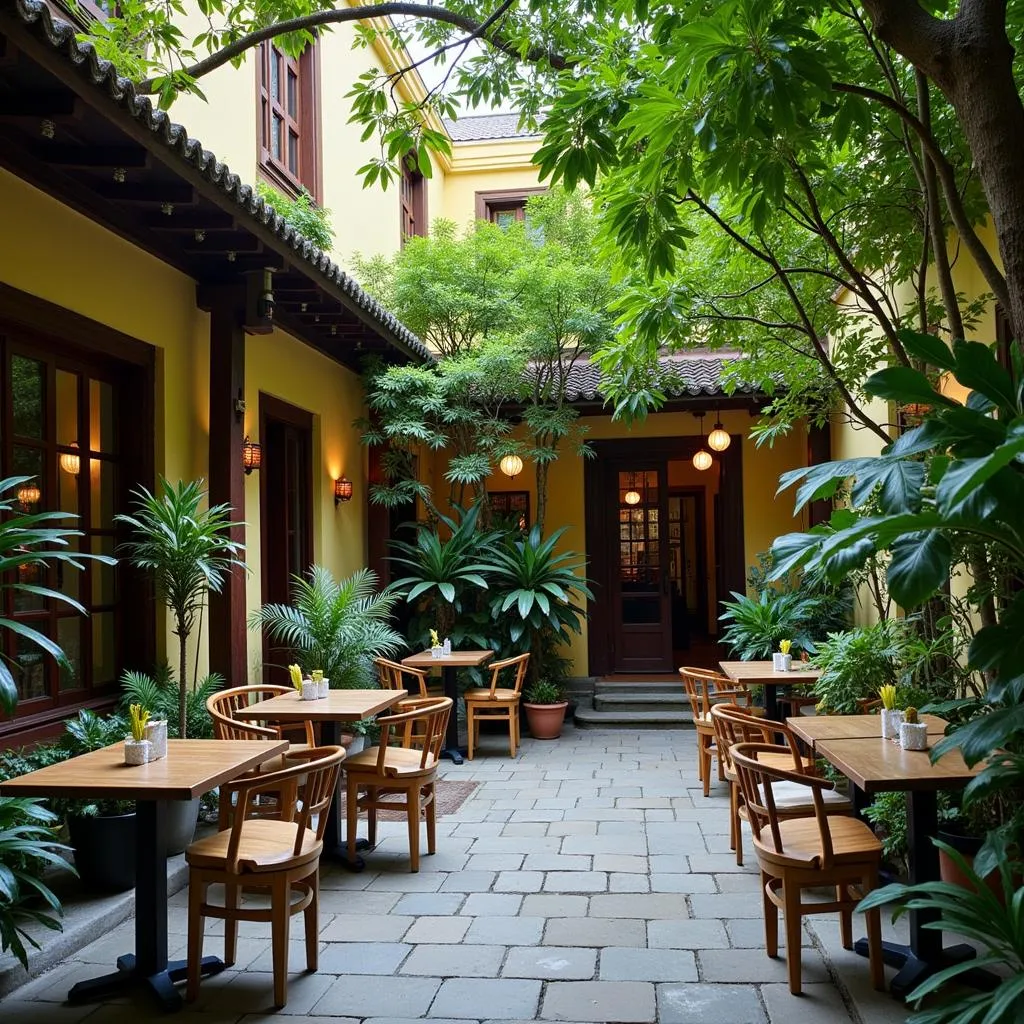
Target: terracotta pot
x,y
967,847
545,720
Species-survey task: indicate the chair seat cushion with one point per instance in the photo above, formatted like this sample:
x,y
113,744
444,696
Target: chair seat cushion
x,y
397,761
789,796
266,845
484,694
853,841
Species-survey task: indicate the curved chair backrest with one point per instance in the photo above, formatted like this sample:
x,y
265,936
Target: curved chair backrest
x,y
392,676
226,726
704,688
734,725
756,780
311,777
421,729
521,663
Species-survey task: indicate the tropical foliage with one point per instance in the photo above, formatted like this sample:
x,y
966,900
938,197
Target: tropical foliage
x,y
159,694
188,551
30,543
754,627
336,626
28,846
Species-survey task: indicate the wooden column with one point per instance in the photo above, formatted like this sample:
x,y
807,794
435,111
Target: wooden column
x,y
227,478
819,450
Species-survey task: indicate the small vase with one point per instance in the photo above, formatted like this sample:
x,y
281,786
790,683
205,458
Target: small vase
x,y
892,718
437,652
156,733
310,690
913,736
324,688
136,752
782,662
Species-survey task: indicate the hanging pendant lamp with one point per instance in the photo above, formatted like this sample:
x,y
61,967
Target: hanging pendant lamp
x,y
632,496
719,438
702,459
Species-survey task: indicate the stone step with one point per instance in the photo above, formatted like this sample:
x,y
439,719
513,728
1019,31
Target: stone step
x,y
674,701
590,718
671,685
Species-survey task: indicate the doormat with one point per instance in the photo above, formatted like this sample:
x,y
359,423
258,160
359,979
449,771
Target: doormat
x,y
450,796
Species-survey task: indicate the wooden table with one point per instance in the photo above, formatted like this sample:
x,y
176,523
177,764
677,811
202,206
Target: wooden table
x,y
875,765
812,728
337,707
761,673
450,678
191,768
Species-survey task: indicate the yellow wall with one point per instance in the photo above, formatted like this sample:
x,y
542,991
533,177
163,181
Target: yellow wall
x,y
486,167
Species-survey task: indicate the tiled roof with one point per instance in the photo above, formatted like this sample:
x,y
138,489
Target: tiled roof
x,y
480,127
680,376
102,74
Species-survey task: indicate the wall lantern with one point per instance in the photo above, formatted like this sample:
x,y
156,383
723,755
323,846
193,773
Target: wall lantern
x,y
342,490
511,466
252,455
631,497
71,462
719,439
702,459
29,495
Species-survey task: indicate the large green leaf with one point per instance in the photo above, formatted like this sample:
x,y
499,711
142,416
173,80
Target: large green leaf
x,y
919,566
978,368
928,348
904,385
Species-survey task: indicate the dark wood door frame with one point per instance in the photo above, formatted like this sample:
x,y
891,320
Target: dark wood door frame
x,y
731,567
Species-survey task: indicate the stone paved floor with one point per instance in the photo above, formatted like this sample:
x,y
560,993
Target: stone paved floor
x,y
588,881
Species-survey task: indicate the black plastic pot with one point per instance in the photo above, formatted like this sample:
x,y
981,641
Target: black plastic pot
x,y
104,851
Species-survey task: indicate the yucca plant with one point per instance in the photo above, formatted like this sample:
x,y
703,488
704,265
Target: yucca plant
x,y
159,692
189,552
336,626
28,844
28,545
448,571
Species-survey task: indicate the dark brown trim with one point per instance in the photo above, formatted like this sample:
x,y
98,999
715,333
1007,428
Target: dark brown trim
x,y
819,450
502,195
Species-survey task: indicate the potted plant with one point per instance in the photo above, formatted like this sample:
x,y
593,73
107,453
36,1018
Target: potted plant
x,y
545,706
782,660
892,717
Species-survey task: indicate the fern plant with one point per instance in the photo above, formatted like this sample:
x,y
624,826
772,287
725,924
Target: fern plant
x,y
336,626
158,694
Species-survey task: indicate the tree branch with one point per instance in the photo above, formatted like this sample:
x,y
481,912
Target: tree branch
x,y
536,54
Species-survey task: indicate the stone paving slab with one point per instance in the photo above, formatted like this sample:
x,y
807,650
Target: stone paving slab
x,y
586,881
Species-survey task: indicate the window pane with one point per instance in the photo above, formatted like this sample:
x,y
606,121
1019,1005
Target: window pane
x,y
505,218
30,668
102,484
275,137
293,153
275,75
33,574
101,416
69,579
28,384
69,636
104,660
103,579
67,407
292,105
29,462
641,610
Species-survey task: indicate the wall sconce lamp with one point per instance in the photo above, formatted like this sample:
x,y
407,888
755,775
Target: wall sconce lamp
x,y
511,466
70,462
342,490
252,455
265,303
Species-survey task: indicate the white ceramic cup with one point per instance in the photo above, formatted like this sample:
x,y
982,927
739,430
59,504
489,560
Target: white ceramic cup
x,y
324,688
156,733
891,720
782,662
310,690
913,736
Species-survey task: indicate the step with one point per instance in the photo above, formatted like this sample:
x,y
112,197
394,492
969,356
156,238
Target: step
x,y
588,718
641,702
669,686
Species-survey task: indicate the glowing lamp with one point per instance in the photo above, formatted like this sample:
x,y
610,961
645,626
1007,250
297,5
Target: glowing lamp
x,y
631,497
511,466
29,494
702,460
719,439
70,462
252,455
342,490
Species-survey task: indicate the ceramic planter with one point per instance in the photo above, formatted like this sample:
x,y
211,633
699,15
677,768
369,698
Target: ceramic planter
x,y
782,662
913,736
136,752
310,690
156,733
545,720
324,688
104,851
891,721
180,828
437,652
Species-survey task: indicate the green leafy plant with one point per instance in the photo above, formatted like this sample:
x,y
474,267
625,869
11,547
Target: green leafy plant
x,y
756,626
159,693
544,692
28,845
85,732
29,543
888,814
337,626
976,912
189,552
302,213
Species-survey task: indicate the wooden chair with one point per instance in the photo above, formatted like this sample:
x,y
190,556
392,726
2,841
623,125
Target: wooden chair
x,y
222,707
807,852
281,857
732,726
404,761
392,675
704,689
497,703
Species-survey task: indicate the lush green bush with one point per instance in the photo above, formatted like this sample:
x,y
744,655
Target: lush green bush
x,y
755,626
544,692
302,213
158,694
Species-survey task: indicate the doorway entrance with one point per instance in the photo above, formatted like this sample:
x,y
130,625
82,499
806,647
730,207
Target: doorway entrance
x,y
664,542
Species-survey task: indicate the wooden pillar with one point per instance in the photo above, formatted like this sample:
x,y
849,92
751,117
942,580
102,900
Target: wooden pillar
x,y
819,450
228,653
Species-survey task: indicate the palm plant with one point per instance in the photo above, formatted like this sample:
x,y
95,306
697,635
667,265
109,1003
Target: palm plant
x,y
335,626
446,571
533,590
158,693
27,845
755,626
28,545
189,552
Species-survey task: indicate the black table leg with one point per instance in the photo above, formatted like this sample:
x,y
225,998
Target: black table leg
x,y
335,848
771,702
450,680
148,964
925,955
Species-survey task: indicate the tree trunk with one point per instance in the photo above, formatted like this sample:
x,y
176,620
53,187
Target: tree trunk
x,y
182,683
542,494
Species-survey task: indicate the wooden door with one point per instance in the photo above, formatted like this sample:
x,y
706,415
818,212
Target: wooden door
x,y
640,593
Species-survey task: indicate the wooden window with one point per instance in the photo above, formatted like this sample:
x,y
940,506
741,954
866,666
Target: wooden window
x,y
505,206
510,508
289,119
413,197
